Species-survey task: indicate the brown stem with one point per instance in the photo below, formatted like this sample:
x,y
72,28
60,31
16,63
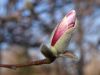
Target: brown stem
x,y
38,62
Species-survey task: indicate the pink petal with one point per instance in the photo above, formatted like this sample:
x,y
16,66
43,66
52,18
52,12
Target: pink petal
x,y
67,23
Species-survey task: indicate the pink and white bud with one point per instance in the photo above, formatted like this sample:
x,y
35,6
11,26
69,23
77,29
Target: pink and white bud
x,y
62,33
67,23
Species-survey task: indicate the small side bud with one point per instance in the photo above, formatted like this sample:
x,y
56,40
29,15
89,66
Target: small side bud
x,y
70,54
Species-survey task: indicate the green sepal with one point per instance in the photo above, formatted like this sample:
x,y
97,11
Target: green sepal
x,y
47,52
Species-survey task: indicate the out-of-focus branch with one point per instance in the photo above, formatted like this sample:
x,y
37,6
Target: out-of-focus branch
x,y
14,16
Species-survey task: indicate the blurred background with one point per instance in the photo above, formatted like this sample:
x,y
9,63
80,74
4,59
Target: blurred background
x,y
25,24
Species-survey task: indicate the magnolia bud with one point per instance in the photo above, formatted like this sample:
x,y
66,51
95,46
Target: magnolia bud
x,y
62,34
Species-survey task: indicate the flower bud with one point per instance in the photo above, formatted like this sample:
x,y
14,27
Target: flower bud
x,y
61,37
63,33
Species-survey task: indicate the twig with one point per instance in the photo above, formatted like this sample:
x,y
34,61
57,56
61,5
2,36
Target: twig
x,y
38,62
48,60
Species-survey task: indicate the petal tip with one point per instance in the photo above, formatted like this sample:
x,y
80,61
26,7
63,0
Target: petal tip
x,y
71,17
72,12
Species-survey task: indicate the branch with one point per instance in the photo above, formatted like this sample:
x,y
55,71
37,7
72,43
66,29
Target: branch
x,y
48,60
15,66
